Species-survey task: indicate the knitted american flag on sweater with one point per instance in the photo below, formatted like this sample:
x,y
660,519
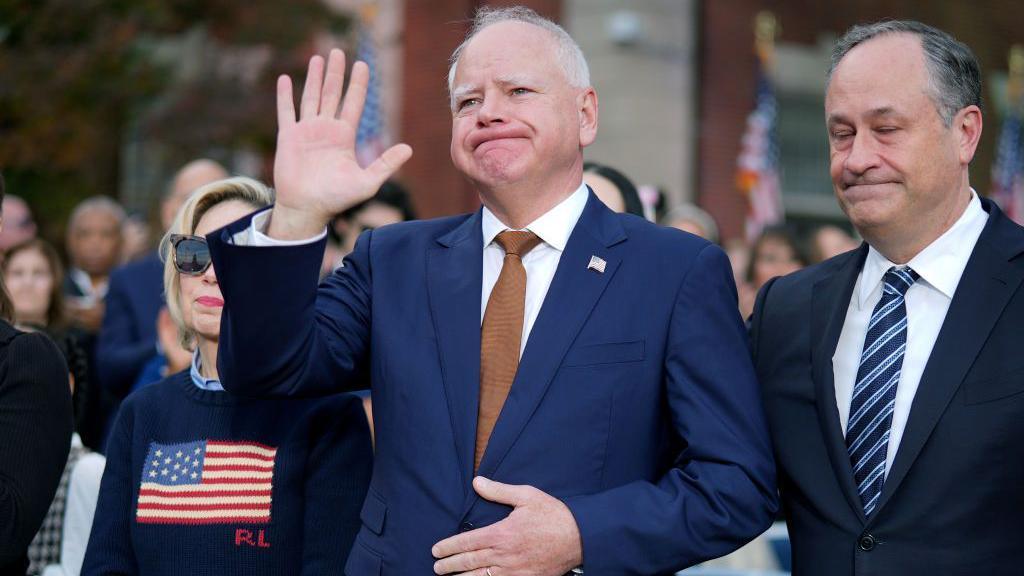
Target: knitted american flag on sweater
x,y
206,482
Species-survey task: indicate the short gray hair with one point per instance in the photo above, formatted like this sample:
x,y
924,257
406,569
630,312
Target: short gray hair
x,y
571,57
692,213
953,70
100,203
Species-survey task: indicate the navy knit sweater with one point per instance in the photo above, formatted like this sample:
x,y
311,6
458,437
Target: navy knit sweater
x,y
202,482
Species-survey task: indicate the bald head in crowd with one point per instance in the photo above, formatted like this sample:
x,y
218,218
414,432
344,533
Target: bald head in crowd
x,y
191,176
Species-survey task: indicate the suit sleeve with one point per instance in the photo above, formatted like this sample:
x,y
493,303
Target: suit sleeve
x,y
120,354
720,493
279,333
35,437
110,549
757,318
337,478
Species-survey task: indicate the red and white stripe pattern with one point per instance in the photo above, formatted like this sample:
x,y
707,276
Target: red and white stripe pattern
x,y
206,482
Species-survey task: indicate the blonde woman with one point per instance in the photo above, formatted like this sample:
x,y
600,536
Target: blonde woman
x,y
202,482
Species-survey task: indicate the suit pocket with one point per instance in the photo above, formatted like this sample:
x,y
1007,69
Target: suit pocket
x,y
363,562
609,353
374,513
996,388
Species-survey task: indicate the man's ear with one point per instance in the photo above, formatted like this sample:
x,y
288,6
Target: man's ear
x,y
967,124
587,102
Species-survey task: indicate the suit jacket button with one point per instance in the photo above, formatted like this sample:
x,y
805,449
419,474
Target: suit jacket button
x,y
466,527
866,542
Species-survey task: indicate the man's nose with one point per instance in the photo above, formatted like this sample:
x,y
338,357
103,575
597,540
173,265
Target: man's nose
x,y
491,110
863,155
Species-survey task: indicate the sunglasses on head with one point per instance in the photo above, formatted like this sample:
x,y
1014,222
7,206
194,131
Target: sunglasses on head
x,y
191,254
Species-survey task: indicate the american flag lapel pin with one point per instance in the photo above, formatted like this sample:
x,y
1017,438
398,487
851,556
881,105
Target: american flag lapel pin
x,y
596,264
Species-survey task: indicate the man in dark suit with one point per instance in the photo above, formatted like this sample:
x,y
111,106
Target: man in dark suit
x,y
892,374
556,387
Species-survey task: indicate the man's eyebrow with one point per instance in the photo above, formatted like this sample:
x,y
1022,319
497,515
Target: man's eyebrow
x,y
461,91
878,112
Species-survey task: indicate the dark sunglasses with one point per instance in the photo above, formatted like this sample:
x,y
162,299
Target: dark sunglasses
x,y
191,254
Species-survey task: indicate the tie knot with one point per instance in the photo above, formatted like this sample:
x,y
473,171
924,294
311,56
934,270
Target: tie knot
x,y
517,242
899,280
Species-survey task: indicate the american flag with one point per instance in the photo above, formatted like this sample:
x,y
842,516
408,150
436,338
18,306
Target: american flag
x,y
1008,169
206,482
370,136
757,174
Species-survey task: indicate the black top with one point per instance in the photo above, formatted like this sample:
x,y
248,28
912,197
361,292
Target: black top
x,y
35,436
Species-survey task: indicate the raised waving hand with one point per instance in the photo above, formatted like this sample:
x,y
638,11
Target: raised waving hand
x,y
316,174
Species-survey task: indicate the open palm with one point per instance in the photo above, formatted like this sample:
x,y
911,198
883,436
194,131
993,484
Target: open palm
x,y
315,169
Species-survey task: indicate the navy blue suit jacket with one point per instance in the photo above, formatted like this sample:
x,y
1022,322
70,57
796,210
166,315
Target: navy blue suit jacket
x,y
953,502
127,339
635,400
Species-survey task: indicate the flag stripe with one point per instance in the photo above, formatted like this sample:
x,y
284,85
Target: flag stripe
x,y
205,499
254,487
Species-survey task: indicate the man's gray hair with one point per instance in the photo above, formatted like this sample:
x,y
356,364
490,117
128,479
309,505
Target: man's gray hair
x,y
953,72
101,203
569,54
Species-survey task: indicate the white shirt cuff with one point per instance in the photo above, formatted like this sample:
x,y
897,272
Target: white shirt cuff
x,y
255,234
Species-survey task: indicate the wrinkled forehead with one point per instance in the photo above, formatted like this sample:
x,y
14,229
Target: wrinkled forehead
x,y
507,49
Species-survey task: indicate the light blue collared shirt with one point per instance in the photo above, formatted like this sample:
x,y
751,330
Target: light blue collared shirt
x,y
199,380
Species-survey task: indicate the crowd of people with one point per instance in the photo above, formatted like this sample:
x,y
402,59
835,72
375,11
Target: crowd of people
x,y
299,381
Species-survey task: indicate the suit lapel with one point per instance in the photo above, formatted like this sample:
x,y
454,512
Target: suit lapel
x,y
829,302
572,295
454,271
986,286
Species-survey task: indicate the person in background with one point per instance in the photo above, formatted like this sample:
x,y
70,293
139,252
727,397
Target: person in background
x,y
390,205
690,218
135,236
775,253
829,240
94,248
128,351
19,225
613,188
36,423
204,482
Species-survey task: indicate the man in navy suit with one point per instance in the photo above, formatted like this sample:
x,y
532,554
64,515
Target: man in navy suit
x,y
628,437
892,374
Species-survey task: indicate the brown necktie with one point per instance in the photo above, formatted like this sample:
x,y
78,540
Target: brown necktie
x,y
502,333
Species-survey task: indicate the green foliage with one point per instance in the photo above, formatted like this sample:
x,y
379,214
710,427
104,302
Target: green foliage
x,y
78,77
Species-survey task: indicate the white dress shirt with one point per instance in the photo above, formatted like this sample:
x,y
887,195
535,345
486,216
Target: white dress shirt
x,y
553,228
940,266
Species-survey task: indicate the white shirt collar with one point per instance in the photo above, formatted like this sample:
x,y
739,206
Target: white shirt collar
x,y
553,227
941,263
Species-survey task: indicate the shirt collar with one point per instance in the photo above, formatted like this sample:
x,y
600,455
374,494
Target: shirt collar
x,y
197,375
941,263
553,227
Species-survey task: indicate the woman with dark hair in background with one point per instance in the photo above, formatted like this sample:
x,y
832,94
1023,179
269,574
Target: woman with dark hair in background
x,y
613,188
36,422
776,252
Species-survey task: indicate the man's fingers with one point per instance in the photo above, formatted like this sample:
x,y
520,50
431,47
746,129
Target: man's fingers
x,y
285,102
334,80
388,163
355,96
478,539
465,562
310,105
510,494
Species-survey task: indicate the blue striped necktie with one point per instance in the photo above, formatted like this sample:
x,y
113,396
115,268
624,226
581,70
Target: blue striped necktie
x,y
874,393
